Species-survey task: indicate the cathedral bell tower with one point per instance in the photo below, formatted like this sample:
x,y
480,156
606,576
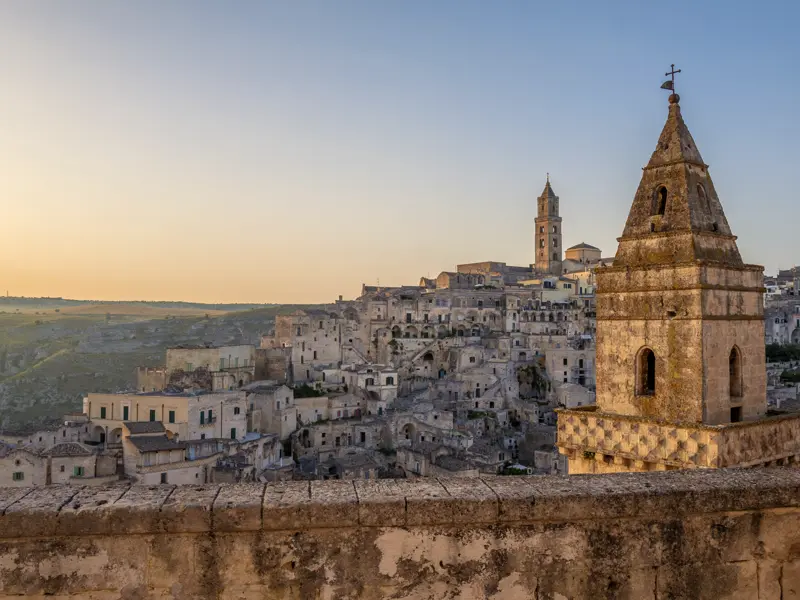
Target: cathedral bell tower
x,y
548,232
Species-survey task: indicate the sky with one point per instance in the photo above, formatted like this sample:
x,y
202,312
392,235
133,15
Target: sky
x,y
291,151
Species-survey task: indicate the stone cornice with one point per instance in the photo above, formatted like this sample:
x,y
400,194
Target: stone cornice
x,y
699,286
677,318
681,161
676,233
674,265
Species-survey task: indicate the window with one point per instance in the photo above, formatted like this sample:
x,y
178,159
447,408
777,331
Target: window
x,y
555,243
315,355
541,229
189,367
18,476
363,437
171,416
660,200
565,362
472,359
202,436
236,364
102,412
152,414
735,372
233,433
390,381
163,478
302,359
125,412
541,243
62,468
202,417
555,256
408,317
210,416
221,364
736,414
278,405
555,228
236,410
77,471
646,373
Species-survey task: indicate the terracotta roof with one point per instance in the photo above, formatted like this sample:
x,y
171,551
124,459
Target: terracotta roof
x,y
145,427
68,449
583,246
155,443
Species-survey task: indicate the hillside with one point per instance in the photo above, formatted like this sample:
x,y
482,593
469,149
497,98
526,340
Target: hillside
x,y
49,360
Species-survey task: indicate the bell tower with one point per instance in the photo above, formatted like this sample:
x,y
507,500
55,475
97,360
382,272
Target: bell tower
x,y
680,321
547,238
681,377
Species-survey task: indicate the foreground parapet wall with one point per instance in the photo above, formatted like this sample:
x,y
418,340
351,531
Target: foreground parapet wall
x,y
682,534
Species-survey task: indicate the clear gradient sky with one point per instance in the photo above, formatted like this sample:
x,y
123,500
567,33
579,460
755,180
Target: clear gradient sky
x,y
288,152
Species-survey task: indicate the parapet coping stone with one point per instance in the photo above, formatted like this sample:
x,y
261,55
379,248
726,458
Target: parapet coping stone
x,y
122,508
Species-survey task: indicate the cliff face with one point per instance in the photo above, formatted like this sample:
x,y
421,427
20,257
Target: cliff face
x,y
701,534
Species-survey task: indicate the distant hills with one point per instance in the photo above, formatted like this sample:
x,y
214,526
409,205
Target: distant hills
x,y
53,303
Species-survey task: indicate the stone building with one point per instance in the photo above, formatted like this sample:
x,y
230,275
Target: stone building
x,y
70,463
185,415
211,368
548,232
271,409
680,335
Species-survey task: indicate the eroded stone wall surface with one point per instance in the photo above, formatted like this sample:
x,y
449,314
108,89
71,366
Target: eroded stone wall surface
x,y
691,534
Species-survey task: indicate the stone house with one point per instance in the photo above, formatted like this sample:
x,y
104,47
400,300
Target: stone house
x,y
23,468
151,457
185,415
65,463
271,408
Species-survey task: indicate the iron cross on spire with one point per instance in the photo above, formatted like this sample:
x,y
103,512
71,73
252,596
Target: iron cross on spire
x,y
670,85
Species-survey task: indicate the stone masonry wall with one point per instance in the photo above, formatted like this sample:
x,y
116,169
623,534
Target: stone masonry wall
x,y
693,534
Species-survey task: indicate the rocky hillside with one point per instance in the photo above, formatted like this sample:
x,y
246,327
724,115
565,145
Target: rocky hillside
x,y
49,360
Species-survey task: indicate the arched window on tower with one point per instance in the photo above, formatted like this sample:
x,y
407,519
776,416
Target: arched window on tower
x,y
555,255
555,228
646,373
661,200
735,373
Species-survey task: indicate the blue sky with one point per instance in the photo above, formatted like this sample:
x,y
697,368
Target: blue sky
x,y
288,152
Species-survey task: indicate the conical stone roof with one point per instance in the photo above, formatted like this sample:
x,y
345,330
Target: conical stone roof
x,y
676,215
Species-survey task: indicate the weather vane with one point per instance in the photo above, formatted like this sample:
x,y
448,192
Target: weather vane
x,y
670,85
